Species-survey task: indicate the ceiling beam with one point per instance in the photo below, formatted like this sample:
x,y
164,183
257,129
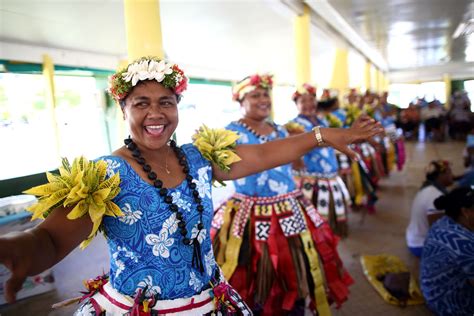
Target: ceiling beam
x,y
327,13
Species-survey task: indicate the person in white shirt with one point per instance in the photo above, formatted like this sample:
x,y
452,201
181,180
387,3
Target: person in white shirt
x,y
423,212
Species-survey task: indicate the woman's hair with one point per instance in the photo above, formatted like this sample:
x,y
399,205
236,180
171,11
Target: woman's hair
x,y
452,202
435,168
327,104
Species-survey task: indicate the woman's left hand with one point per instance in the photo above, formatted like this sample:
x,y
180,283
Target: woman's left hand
x,y
363,129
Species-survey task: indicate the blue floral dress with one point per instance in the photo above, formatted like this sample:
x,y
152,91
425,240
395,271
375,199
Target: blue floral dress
x,y
321,183
447,265
266,239
145,245
147,256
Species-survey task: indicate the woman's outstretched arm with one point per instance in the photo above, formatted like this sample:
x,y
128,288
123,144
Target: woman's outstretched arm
x,y
35,250
256,158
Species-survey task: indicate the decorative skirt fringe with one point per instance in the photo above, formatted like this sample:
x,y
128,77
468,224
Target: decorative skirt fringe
x,y
331,197
279,254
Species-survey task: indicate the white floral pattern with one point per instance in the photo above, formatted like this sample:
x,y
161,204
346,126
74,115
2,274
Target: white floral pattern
x,y
202,183
130,217
171,224
195,282
120,267
181,203
241,181
201,236
210,262
152,290
111,167
278,187
160,243
262,179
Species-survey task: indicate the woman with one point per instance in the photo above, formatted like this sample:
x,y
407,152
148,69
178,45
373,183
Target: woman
x,y
151,198
447,263
423,212
320,174
269,239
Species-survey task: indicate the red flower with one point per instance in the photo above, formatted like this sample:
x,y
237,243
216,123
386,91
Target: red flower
x,y
255,80
181,86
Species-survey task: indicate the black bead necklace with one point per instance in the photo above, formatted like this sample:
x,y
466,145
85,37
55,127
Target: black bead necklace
x,y
163,192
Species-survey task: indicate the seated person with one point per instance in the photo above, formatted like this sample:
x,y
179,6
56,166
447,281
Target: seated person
x,y
433,117
423,213
447,263
409,121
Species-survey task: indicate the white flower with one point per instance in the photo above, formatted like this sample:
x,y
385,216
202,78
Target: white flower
x,y
202,185
120,267
182,204
324,152
152,290
201,236
262,179
195,282
210,262
111,166
147,70
325,165
244,139
241,181
160,243
171,224
278,187
130,217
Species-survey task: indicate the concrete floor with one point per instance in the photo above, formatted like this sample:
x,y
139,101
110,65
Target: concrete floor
x,y
383,232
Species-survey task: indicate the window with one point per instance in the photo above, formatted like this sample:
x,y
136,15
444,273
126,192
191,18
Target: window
x,y
33,142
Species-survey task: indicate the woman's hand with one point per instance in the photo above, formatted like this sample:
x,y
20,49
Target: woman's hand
x,y
363,129
17,254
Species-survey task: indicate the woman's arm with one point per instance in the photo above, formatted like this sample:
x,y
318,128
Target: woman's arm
x,y
37,249
256,158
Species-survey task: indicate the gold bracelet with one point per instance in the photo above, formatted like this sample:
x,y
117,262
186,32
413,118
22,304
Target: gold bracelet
x,y
319,137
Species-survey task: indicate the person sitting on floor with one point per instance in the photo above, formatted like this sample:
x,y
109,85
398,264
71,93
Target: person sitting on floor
x,y
423,213
447,263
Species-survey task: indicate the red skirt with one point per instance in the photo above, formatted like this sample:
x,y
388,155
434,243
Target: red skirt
x,y
279,254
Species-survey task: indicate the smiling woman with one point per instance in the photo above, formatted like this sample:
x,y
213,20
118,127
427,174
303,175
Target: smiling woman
x,y
159,191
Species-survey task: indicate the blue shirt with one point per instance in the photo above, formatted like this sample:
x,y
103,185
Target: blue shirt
x,y
447,265
270,182
321,162
145,244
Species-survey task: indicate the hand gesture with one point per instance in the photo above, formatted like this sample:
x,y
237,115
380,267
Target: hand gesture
x,y
361,130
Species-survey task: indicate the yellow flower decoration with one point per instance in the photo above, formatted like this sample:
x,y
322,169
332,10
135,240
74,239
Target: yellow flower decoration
x,y
217,146
353,112
82,186
333,120
294,128
369,110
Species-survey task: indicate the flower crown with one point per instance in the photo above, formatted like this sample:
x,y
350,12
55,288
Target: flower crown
x,y
147,68
437,166
251,83
306,88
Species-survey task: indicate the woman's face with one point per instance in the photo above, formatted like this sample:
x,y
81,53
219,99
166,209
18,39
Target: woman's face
x,y
257,104
446,178
151,112
306,104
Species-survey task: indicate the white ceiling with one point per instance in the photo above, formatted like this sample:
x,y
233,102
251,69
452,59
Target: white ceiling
x,y
229,39
213,39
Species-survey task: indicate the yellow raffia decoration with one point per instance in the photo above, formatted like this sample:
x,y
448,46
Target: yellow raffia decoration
x,y
333,120
83,186
294,128
217,145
